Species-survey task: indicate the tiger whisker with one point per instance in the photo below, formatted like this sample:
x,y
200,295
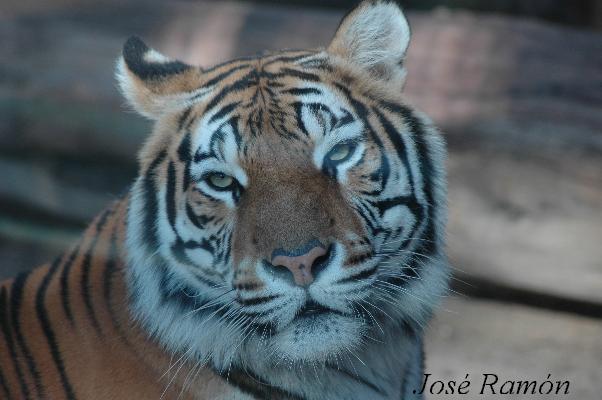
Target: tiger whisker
x,y
182,363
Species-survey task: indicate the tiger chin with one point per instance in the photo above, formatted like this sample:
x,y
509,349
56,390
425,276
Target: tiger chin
x,y
284,238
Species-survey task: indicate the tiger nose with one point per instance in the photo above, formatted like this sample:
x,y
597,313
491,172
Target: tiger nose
x,y
300,262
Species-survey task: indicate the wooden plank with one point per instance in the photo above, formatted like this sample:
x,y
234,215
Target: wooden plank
x,y
24,245
532,223
516,343
67,193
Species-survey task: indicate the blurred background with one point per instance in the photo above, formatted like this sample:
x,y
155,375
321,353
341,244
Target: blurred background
x,y
515,85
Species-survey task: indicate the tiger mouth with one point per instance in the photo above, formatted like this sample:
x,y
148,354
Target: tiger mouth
x,y
312,309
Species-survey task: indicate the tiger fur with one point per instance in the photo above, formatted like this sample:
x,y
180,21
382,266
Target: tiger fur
x,y
284,238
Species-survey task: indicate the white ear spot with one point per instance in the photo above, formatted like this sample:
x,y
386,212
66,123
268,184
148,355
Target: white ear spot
x,y
153,56
375,37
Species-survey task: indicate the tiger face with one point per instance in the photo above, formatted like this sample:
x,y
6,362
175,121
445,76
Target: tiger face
x,y
289,205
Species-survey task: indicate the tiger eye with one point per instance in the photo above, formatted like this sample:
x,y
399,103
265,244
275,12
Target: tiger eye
x,y
220,180
339,152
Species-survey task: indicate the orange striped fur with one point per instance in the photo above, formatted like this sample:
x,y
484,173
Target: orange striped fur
x,y
66,333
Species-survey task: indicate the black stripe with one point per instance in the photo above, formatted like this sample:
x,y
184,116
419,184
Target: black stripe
x,y
367,213
359,258
203,155
50,335
256,300
346,119
427,171
225,110
170,196
226,248
253,123
183,117
3,385
224,75
400,147
285,58
86,268
385,170
134,51
150,203
16,299
303,91
251,384
185,157
409,201
299,106
240,84
217,139
237,136
361,275
184,149
5,327
319,110
360,209
178,250
231,62
65,284
110,268
196,221
306,76
247,286
317,63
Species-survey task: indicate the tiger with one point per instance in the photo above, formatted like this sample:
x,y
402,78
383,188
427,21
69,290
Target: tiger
x,y
284,237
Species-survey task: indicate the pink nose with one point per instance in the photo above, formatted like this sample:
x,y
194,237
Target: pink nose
x,y
300,265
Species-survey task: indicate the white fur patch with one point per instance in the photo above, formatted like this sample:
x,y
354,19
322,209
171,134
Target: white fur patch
x,y
375,37
153,56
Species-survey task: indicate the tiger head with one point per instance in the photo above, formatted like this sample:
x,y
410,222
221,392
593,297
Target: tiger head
x,y
288,205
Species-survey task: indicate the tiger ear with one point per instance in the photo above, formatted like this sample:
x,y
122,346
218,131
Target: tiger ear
x,y
152,83
375,37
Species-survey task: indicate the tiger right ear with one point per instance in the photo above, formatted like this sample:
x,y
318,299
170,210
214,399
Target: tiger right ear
x,y
152,83
374,37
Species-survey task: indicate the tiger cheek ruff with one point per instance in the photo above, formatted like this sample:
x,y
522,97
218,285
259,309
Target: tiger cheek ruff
x,y
284,238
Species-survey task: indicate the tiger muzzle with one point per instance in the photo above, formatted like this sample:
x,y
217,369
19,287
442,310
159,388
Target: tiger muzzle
x,y
290,224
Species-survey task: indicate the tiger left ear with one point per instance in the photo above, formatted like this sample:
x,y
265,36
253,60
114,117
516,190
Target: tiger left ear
x,y
152,83
374,37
